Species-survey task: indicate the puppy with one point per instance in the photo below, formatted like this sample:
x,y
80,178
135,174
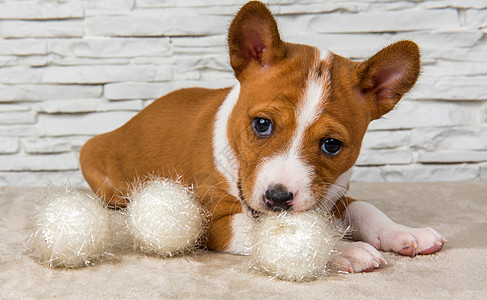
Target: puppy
x,y
284,138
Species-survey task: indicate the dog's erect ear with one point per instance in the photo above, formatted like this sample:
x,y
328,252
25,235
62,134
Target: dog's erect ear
x,y
388,75
253,38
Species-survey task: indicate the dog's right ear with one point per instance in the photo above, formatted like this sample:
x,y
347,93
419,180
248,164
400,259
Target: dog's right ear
x,y
253,38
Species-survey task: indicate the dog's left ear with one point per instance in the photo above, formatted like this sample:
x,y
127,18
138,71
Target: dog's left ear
x,y
253,38
388,75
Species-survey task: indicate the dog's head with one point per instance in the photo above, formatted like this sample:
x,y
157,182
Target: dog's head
x,y
301,114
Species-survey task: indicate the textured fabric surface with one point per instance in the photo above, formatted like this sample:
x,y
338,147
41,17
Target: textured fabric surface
x,y
457,210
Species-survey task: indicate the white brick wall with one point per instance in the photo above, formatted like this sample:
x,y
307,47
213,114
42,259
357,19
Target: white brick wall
x,y
73,69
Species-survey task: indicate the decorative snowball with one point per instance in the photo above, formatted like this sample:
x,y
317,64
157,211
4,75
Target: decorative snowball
x,y
71,229
164,218
294,246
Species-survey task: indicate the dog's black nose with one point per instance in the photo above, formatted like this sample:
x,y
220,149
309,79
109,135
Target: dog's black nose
x,y
277,197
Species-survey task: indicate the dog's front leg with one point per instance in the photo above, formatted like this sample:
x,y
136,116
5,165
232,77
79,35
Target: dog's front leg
x,y
241,227
231,234
229,227
370,225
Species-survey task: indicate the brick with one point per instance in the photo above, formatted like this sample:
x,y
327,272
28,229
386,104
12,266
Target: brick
x,y
450,88
405,20
19,74
212,62
366,174
75,61
199,45
384,156
11,118
434,139
294,8
32,61
23,47
187,3
46,162
18,130
479,4
36,145
431,173
452,156
154,60
187,75
111,47
88,105
84,74
134,90
476,18
386,139
456,69
46,145
163,73
96,74
474,53
41,178
41,11
13,108
414,114
45,29
85,124
453,38
9,145
202,67
156,25
106,7
199,41
41,92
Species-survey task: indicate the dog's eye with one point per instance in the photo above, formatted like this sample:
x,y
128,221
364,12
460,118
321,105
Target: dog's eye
x,y
262,127
331,146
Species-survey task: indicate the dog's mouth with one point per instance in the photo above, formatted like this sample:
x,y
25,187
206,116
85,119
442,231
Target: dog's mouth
x,y
255,214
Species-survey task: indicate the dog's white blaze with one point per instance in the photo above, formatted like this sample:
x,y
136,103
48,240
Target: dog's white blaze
x,y
289,168
286,169
309,107
225,160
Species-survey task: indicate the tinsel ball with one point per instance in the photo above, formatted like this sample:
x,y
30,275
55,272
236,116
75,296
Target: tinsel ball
x,y
71,229
293,246
164,217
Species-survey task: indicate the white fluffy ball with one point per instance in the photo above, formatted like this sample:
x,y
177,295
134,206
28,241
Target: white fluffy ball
x,y
164,218
71,229
294,246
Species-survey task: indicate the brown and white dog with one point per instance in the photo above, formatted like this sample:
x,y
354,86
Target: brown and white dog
x,y
285,138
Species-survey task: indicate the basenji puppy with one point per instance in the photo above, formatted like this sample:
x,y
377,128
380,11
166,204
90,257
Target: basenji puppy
x,y
284,138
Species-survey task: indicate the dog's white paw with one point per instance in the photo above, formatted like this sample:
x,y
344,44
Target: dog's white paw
x,y
409,241
357,257
372,226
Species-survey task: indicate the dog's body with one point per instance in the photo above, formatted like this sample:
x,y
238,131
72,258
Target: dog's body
x,y
285,138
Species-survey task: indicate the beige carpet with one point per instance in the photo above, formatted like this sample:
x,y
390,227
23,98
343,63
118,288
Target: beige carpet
x,y
457,210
